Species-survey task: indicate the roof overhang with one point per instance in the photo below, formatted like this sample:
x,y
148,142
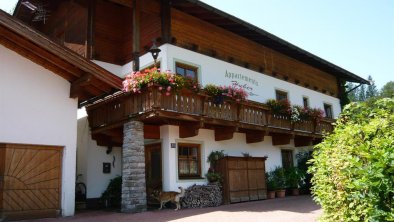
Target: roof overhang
x,y
233,24
87,79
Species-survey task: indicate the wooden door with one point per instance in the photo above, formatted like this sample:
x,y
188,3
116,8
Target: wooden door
x,y
153,169
30,181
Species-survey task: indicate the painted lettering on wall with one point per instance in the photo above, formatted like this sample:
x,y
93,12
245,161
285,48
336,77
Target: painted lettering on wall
x,y
246,87
244,81
238,76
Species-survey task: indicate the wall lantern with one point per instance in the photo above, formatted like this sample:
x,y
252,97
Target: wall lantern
x,y
154,51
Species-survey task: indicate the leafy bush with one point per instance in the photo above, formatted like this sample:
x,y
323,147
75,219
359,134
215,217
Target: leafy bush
x,y
294,177
302,164
279,176
353,168
270,180
113,194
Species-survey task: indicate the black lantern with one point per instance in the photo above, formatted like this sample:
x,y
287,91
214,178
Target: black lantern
x,y
154,51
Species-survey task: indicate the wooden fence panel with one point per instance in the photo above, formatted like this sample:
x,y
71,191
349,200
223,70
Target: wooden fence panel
x,y
243,178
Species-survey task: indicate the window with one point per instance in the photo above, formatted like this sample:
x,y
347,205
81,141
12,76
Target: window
x,y
186,70
287,159
281,95
189,161
305,101
328,110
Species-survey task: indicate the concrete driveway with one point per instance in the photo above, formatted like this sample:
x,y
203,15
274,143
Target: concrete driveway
x,y
292,209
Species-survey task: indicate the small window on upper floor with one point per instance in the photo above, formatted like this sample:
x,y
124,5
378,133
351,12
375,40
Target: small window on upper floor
x,y
281,95
328,110
186,70
305,101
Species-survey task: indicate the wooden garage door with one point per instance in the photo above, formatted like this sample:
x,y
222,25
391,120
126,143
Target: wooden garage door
x,y
30,181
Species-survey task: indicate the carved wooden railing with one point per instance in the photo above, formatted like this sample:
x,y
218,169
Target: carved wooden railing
x,y
126,105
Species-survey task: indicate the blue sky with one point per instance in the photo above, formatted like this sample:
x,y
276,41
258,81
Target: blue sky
x,y
357,35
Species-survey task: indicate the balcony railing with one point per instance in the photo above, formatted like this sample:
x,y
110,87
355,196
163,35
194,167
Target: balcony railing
x,y
189,105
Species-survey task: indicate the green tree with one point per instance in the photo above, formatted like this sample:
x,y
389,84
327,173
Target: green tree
x,y
387,90
372,90
361,94
353,170
352,95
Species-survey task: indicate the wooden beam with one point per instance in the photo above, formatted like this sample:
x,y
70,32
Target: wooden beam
x,y
254,136
136,10
77,86
316,141
189,129
151,131
165,21
91,29
224,133
280,139
302,141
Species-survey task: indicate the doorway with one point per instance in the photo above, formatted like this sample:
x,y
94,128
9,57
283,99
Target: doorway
x,y
153,170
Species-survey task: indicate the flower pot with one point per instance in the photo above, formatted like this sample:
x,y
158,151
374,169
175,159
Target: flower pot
x,y
280,193
271,194
295,192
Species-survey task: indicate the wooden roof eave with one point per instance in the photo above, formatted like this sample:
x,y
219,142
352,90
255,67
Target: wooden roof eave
x,y
61,60
236,25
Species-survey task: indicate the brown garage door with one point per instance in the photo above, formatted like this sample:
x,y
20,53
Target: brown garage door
x,y
30,180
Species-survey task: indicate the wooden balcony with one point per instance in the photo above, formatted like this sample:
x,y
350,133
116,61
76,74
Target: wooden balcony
x,y
192,111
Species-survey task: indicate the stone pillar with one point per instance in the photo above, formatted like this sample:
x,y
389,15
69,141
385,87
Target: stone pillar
x,y
133,172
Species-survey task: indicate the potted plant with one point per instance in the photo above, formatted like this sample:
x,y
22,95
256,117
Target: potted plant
x,y
214,156
294,179
271,185
280,179
213,177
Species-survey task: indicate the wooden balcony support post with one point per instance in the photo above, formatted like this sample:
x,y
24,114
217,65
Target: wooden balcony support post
x,y
302,141
136,10
254,136
77,86
189,129
224,133
280,139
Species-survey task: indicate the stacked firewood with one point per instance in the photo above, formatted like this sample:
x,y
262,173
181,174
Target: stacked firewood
x,y
198,196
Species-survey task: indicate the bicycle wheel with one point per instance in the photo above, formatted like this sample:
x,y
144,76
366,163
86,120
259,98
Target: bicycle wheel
x,y
80,192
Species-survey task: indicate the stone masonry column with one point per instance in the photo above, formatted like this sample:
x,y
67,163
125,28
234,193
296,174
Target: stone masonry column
x,y
133,172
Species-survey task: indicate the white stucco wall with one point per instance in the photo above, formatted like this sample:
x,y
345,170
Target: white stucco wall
x,y
90,161
213,71
234,147
35,108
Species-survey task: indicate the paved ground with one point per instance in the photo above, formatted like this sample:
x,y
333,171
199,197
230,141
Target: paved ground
x,y
292,209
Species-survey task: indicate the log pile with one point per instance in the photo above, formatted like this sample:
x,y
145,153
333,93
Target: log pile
x,y
198,196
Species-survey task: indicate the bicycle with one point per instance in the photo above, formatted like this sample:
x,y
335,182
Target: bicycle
x,y
80,190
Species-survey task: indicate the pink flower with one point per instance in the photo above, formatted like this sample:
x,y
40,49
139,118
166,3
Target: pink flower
x,y
160,88
169,88
168,93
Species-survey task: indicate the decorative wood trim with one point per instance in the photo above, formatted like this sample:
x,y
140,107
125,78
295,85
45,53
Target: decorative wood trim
x,y
136,10
91,29
165,21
